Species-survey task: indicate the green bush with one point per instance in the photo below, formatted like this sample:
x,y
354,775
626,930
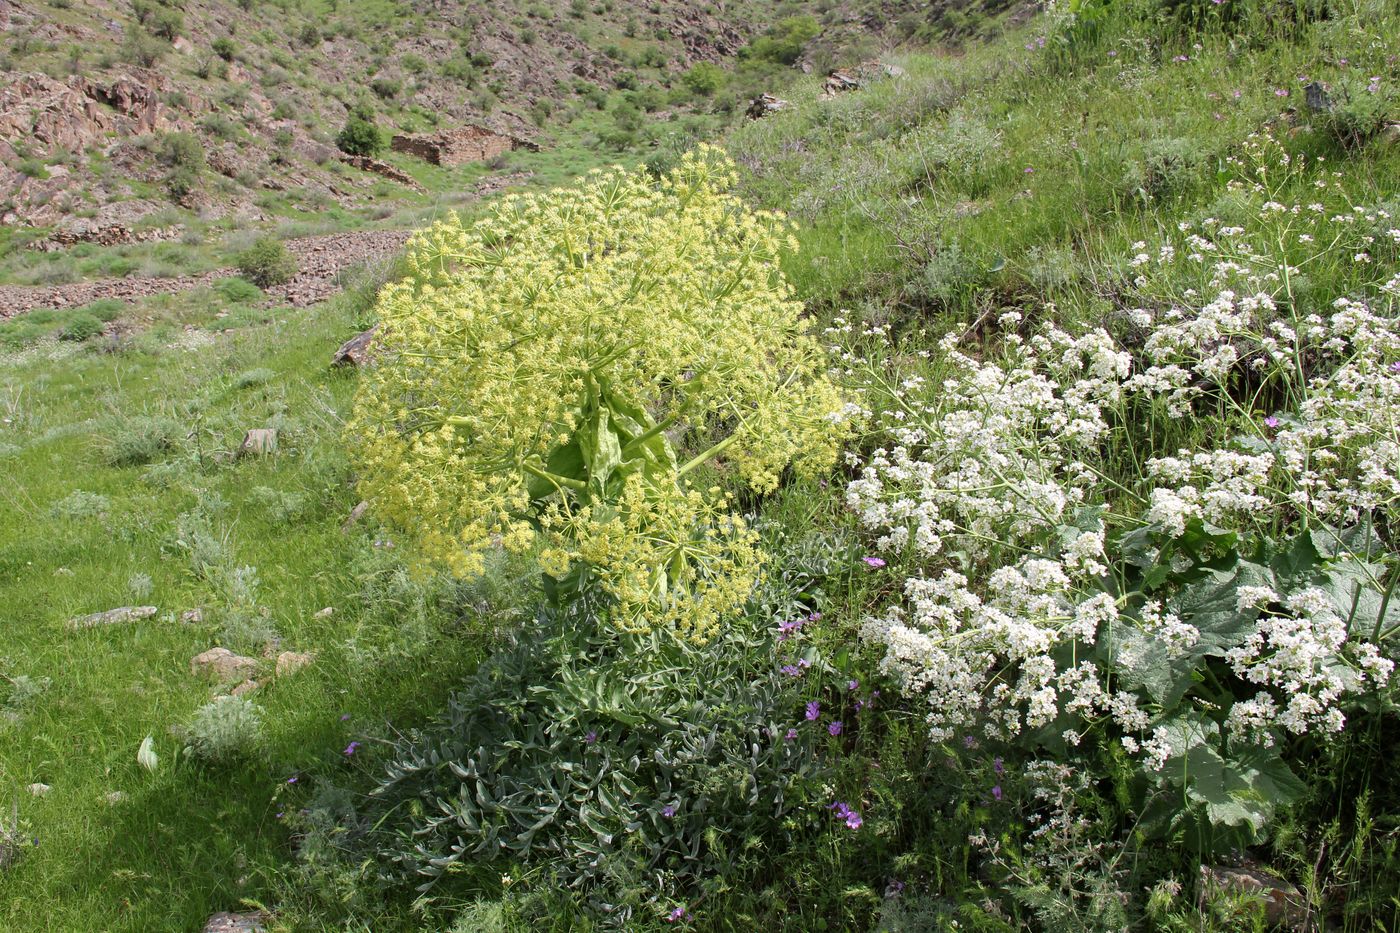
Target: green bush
x,y
611,760
238,291
266,263
704,78
81,326
784,41
106,309
139,441
386,88
224,48
360,136
181,150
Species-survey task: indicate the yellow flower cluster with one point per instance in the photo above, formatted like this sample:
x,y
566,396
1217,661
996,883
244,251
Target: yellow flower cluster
x,y
535,364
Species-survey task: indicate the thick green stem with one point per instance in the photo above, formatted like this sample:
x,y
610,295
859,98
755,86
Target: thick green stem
x,y
555,478
714,451
651,432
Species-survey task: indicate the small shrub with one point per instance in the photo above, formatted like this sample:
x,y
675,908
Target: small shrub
x,y
81,326
386,88
224,48
166,23
226,730
80,505
360,136
140,586
704,78
141,48
139,441
106,309
238,291
266,263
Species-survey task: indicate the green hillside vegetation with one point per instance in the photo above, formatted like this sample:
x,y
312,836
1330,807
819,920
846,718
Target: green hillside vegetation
x,y
1068,454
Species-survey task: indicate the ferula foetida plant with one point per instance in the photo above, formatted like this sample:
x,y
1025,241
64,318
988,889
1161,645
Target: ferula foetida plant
x,y
537,364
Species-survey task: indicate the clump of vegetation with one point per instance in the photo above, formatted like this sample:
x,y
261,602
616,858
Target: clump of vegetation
x,y
267,263
139,440
225,731
588,327
80,327
183,154
360,135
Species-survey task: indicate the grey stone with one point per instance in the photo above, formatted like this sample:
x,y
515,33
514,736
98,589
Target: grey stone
x,y
248,922
261,441
1284,905
112,617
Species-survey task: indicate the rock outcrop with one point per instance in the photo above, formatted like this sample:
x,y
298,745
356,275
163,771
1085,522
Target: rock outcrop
x,y
459,146
46,114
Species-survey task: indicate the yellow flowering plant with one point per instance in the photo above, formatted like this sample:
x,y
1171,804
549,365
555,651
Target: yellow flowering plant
x,y
536,365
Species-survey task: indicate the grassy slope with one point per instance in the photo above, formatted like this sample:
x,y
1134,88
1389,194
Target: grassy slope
x,y
188,841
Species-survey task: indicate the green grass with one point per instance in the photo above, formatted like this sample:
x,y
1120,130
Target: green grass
x,y
188,839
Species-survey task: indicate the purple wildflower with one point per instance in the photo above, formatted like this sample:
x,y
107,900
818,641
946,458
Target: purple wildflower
x,y
351,749
814,709
1029,170
590,738
876,562
677,914
281,813
791,734
852,685
293,779
835,727
791,670
895,888
668,811
1271,421
996,791
853,820
1395,367
969,742
344,716
1280,92
997,765
814,617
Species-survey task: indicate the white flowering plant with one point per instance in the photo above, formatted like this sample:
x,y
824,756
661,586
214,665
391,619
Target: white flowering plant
x,y
1172,533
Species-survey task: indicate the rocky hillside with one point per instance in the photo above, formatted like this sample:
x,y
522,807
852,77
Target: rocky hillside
x,y
119,119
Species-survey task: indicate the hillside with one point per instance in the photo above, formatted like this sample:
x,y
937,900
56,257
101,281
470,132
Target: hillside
x,y
962,496
99,96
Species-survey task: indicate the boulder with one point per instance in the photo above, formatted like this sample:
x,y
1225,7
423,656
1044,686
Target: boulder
x,y
112,617
248,686
289,662
223,664
356,350
764,104
1284,906
261,441
357,513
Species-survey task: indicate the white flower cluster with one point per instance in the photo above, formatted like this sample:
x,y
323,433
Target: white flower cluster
x,y
1000,485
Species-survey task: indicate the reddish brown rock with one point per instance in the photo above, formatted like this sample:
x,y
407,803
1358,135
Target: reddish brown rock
x,y
356,350
223,664
459,146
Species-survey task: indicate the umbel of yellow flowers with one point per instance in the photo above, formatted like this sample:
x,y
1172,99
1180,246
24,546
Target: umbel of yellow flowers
x,y
535,366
